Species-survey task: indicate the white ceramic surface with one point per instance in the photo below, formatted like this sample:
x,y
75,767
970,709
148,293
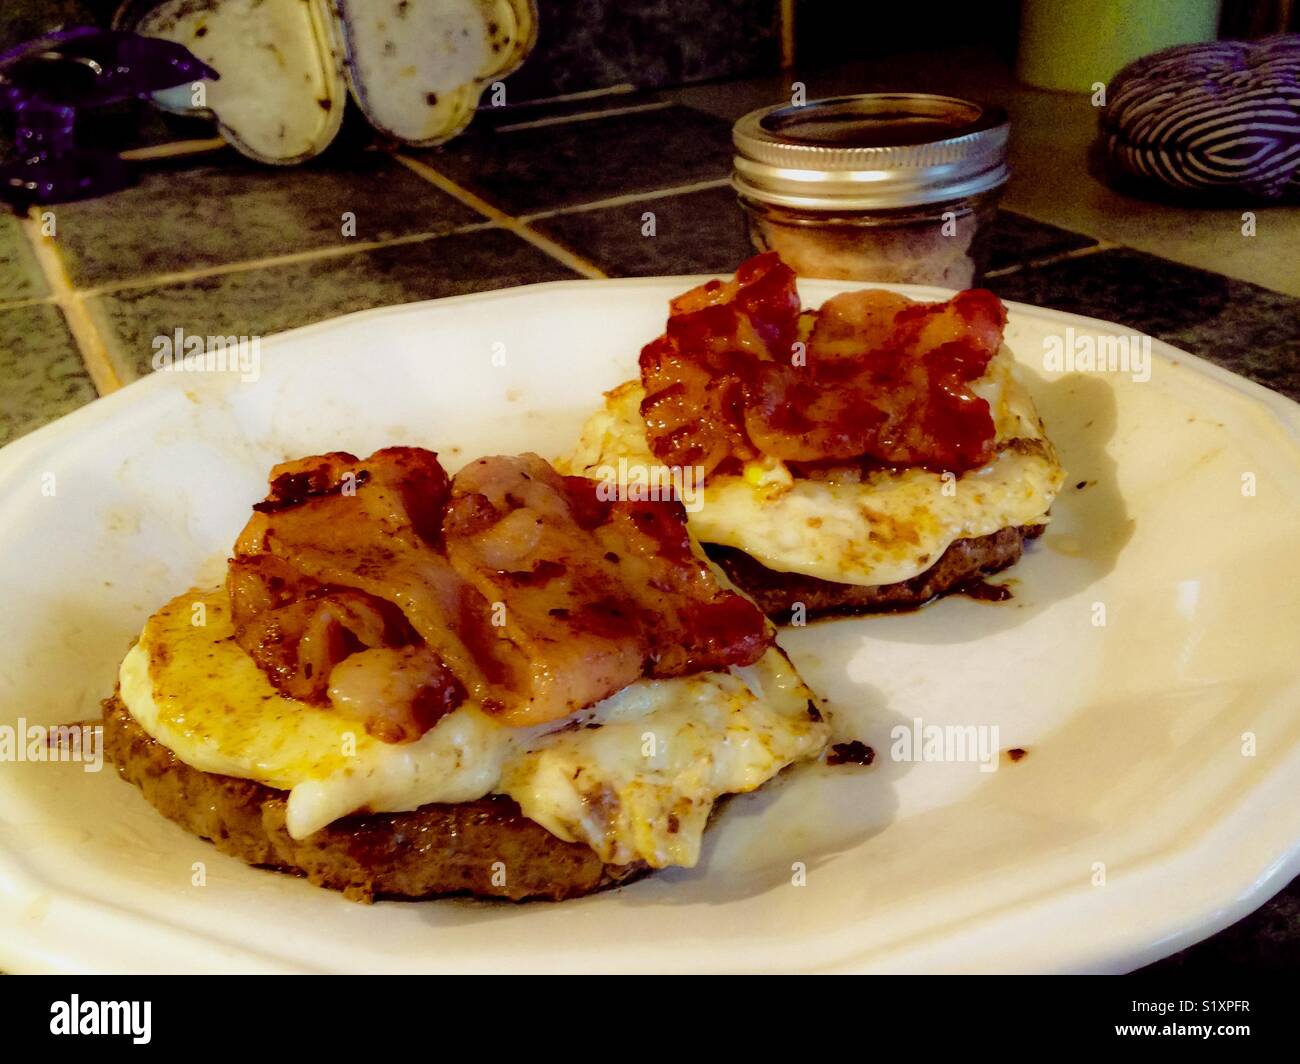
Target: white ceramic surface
x,y
1134,729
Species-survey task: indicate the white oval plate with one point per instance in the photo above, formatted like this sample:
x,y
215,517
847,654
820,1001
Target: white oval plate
x,y
1156,804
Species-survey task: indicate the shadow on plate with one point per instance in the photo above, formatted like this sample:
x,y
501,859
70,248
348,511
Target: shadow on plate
x,y
1089,528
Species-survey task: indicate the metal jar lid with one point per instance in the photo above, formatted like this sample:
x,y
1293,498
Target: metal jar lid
x,y
869,152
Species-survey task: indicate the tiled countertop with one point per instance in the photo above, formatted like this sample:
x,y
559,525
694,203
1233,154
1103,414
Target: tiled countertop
x,y
216,246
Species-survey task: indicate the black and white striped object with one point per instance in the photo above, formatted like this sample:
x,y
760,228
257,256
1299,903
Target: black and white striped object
x,y
1223,116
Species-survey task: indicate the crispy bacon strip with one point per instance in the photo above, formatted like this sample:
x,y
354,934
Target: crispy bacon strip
x,y
595,593
394,594
297,629
353,532
880,375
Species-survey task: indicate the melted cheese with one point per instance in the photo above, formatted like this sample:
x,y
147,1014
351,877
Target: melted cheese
x,y
888,526
638,785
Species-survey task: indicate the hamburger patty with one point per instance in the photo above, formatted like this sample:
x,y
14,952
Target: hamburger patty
x,y
466,848
964,561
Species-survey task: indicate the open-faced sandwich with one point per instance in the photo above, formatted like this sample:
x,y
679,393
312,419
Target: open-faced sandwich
x,y
871,454
500,683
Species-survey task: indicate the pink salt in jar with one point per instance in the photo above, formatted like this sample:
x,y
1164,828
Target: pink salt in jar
x,y
896,187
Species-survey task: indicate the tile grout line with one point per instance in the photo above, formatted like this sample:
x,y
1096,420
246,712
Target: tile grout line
x,y
553,248
85,333
30,301
173,148
628,198
203,145
1052,260
200,273
622,88
585,116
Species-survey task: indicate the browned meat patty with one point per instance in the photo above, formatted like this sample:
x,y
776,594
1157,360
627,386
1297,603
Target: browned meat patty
x,y
434,850
966,560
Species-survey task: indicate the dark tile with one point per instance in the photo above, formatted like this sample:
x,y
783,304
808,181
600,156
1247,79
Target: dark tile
x,y
1247,329
1015,240
23,20
178,219
20,274
260,302
830,33
543,167
1268,940
586,44
697,232
41,368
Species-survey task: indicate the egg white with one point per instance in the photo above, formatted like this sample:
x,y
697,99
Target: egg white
x,y
637,786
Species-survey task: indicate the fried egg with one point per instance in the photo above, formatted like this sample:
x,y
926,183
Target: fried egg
x,y
852,528
634,777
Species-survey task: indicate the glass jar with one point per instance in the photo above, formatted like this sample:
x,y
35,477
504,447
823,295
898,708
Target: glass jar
x,y
898,187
